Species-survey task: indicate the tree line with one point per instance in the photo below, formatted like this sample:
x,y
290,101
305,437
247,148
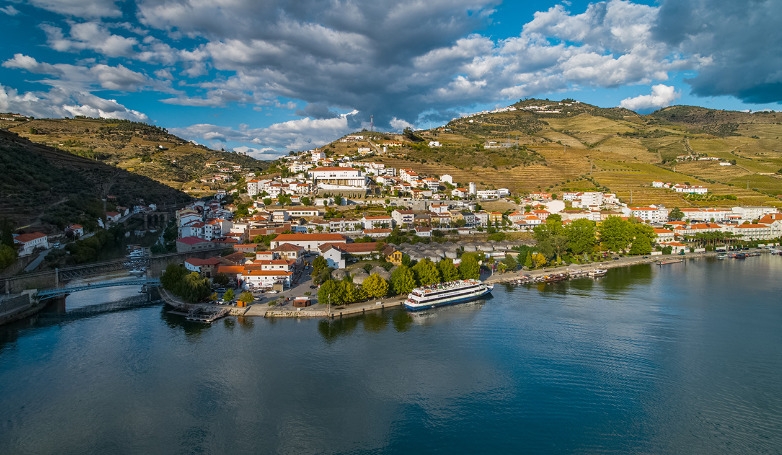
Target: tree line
x,y
583,240
403,279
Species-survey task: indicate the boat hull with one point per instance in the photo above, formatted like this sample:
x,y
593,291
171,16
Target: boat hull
x,y
448,301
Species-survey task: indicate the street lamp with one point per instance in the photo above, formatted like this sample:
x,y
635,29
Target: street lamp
x,y
329,312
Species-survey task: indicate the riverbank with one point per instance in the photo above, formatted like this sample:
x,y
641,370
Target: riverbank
x,y
320,311
323,311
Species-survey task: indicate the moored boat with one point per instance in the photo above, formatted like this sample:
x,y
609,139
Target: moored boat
x,y
449,293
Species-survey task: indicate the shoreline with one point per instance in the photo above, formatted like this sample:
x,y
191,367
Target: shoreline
x,y
317,311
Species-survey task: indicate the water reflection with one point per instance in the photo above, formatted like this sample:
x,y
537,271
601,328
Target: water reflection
x,y
623,278
402,320
332,329
175,321
375,322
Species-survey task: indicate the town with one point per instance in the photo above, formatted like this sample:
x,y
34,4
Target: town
x,y
260,236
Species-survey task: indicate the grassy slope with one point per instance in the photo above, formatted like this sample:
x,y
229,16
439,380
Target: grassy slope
x,y
52,188
133,147
583,147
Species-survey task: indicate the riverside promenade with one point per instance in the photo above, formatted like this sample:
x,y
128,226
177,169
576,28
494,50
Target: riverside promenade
x,y
322,311
338,311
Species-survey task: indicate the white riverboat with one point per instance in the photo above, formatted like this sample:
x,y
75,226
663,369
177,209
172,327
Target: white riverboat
x,y
448,293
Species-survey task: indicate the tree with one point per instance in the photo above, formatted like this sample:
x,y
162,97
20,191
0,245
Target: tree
x,y
318,265
375,286
246,297
510,262
581,236
448,271
7,233
643,237
228,295
426,272
7,256
284,199
402,280
305,200
528,261
221,279
676,214
615,234
469,267
350,292
538,260
330,292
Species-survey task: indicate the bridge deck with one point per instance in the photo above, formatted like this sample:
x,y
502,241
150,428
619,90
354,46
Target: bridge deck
x,y
50,293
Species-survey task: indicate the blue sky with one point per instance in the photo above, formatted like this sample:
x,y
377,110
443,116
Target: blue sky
x,y
269,76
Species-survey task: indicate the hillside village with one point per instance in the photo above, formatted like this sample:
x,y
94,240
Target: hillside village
x,y
313,211
314,208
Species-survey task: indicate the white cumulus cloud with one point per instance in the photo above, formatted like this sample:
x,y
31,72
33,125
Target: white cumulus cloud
x,y
661,96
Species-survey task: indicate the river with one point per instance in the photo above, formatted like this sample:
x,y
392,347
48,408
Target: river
x,y
683,358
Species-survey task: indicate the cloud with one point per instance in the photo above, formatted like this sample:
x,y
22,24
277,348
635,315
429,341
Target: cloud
x,y
58,103
399,125
735,45
334,59
82,78
661,96
9,10
90,35
80,8
298,134
317,110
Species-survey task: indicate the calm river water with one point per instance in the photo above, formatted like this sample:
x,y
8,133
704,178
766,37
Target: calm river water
x,y
684,358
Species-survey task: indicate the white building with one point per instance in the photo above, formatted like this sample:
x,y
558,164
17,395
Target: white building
x,y
753,213
29,242
337,178
650,214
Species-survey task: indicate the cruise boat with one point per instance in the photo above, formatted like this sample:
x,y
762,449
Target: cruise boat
x,y
448,293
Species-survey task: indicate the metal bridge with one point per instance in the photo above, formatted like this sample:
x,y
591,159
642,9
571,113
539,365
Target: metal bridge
x,y
57,292
94,310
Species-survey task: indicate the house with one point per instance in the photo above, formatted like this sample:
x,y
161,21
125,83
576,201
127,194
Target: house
x,y
76,230
377,233
392,255
676,247
664,235
254,278
374,222
650,214
753,231
309,242
403,218
30,242
190,244
246,248
290,252
337,254
233,272
335,258
337,178
205,267
113,217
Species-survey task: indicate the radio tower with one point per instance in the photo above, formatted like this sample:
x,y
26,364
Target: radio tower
x,y
371,123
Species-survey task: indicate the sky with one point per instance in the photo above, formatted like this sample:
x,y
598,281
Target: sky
x,y
266,77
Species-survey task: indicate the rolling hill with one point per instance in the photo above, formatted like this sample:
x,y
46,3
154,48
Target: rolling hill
x,y
566,145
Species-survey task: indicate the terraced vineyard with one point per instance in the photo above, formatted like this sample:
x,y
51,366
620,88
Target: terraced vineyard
x,y
582,146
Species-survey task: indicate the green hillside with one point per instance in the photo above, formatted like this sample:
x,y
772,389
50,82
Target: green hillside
x,y
570,146
138,148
